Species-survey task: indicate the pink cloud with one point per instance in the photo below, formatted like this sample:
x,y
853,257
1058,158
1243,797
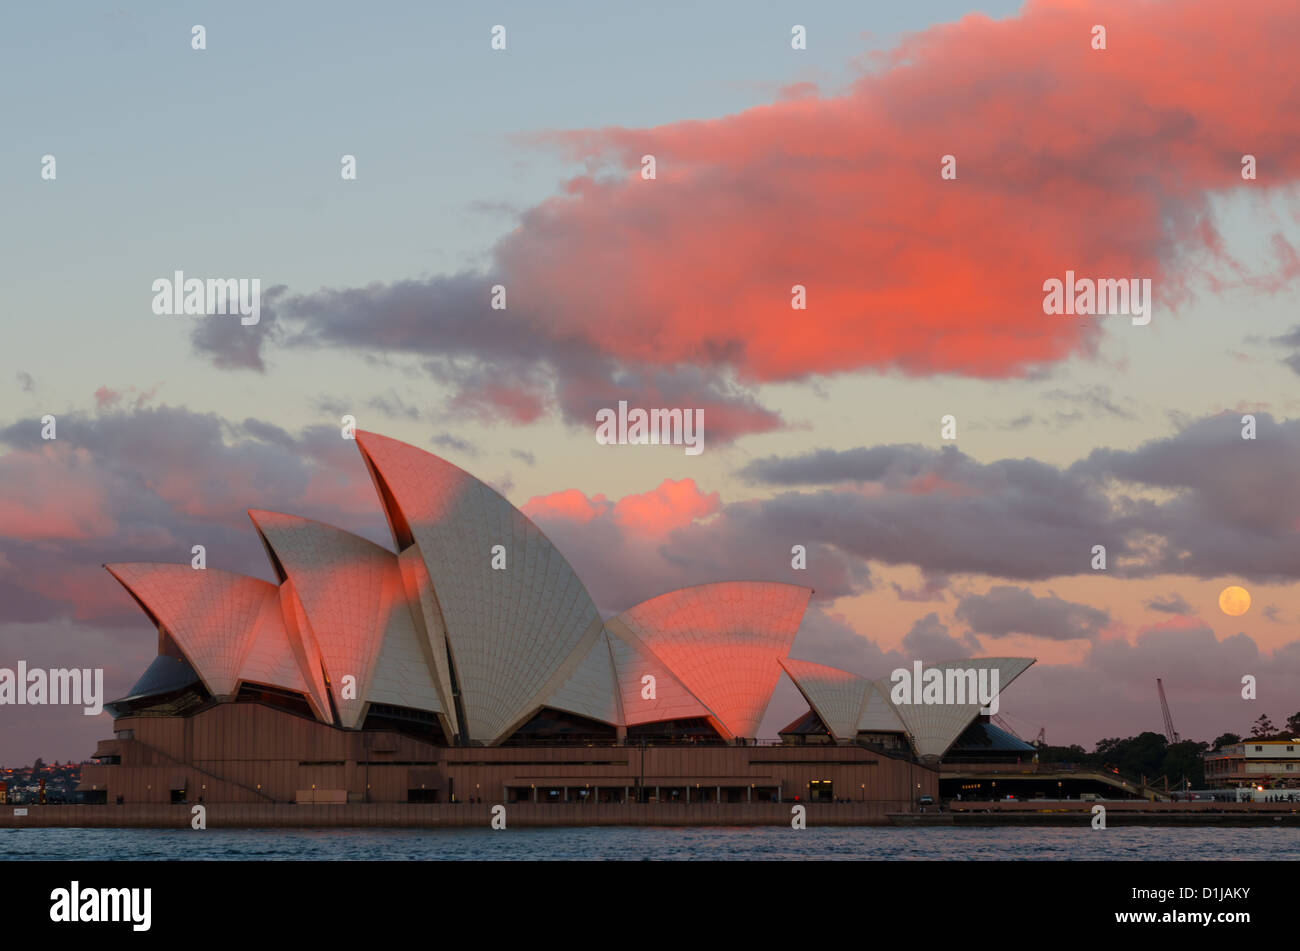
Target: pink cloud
x,y
1102,162
52,494
671,505
653,514
569,504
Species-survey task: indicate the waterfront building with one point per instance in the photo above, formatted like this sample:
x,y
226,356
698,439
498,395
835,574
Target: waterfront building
x,y
1267,763
469,662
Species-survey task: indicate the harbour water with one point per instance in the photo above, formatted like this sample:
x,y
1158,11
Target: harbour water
x,y
662,843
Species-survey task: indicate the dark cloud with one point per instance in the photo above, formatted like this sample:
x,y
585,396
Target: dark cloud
x,y
891,464
942,511
1290,341
1174,604
500,365
268,433
1234,508
929,641
933,588
233,345
1223,505
1007,609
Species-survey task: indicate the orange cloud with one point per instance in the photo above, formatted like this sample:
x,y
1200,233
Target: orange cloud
x,y
569,504
672,504
1102,162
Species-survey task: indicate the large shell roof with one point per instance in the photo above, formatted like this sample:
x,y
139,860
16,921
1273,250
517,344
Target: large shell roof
x,y
480,620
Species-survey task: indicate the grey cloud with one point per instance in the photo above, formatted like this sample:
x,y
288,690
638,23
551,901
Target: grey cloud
x,y
1227,505
928,640
1234,508
1012,519
1007,609
932,589
393,407
1174,604
1291,341
890,463
499,364
232,345
448,441
1095,398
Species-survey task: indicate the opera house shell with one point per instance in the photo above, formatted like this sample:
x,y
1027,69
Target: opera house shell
x,y
476,633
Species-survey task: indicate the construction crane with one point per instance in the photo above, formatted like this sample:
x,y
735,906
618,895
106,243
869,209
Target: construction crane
x,y
1170,732
1040,740
1000,721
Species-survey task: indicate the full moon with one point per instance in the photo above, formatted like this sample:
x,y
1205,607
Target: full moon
x,y
1234,601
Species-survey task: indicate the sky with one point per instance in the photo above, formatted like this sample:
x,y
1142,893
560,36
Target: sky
x,y
774,166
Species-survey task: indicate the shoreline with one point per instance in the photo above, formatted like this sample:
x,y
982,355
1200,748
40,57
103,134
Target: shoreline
x,y
537,815
1075,819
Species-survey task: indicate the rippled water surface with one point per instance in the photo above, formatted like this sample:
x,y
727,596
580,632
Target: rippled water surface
x,y
632,844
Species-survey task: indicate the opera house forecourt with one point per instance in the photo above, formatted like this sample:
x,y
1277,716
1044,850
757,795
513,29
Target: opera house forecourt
x,y
472,667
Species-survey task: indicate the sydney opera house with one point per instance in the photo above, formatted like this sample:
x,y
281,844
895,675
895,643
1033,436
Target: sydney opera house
x,y
472,665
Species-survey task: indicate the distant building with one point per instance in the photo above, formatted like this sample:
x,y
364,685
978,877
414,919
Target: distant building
x,y
1270,763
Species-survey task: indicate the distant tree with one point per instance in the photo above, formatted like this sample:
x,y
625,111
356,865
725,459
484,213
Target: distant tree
x,y
1142,755
1293,724
39,764
1183,760
1107,746
1063,754
1226,739
1263,727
